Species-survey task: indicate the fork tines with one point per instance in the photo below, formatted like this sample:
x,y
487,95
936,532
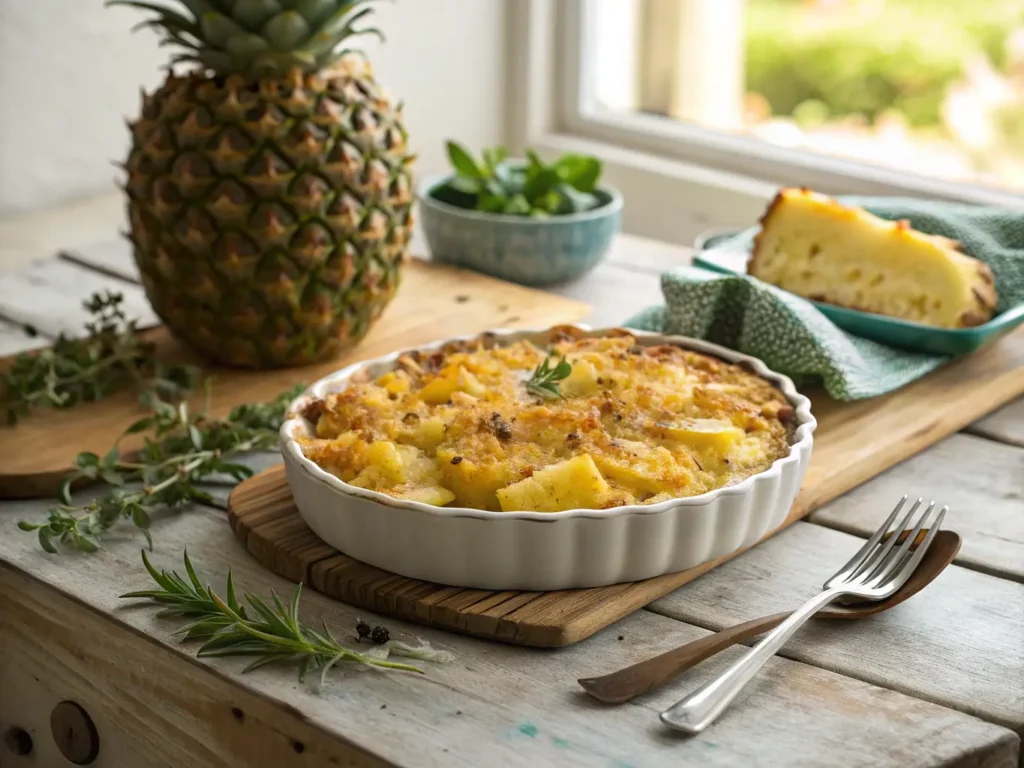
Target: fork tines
x,y
880,559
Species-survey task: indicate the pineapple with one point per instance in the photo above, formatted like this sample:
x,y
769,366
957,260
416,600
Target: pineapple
x,y
269,188
575,483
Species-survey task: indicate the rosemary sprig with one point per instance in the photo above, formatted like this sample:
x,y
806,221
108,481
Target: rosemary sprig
x,y
544,381
183,450
109,357
226,627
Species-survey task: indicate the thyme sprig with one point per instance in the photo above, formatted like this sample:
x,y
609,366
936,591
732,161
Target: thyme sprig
x,y
182,450
545,378
111,356
272,634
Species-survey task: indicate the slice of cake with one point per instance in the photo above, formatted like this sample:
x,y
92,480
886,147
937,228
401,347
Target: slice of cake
x,y
814,247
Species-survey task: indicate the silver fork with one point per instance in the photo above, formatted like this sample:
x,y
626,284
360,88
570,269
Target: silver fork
x,y
877,570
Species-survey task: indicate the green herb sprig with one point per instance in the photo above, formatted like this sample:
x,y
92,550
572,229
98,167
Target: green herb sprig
x,y
111,356
272,634
533,188
182,450
545,378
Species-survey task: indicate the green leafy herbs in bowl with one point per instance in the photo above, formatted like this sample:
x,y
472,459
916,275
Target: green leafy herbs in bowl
x,y
523,220
494,184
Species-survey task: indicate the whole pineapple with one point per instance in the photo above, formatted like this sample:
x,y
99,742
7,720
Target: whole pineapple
x,y
269,189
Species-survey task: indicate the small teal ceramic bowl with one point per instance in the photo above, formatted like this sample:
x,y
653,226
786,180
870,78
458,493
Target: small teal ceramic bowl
x,y
891,331
518,248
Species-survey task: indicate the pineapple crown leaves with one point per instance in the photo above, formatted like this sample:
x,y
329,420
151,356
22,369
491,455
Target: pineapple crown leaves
x,y
256,37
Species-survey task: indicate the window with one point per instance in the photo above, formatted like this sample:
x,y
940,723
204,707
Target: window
x,y
919,97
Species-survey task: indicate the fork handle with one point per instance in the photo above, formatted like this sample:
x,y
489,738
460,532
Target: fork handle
x,y
696,711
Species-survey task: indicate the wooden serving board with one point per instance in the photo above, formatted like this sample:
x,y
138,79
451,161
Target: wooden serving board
x,y
433,302
854,442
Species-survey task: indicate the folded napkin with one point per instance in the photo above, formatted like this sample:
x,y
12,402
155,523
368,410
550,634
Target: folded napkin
x,y
789,333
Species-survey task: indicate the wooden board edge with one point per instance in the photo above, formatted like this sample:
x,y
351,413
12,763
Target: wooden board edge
x,y
1009,386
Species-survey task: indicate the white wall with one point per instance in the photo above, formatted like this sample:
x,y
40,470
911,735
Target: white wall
x,y
70,73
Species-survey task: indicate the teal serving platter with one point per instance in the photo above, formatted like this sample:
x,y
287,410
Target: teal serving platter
x,y
893,332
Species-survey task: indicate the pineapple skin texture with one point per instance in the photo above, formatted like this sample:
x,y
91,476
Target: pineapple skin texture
x,y
814,247
270,218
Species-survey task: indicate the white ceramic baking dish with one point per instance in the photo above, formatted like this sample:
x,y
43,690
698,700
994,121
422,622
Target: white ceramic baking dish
x,y
536,550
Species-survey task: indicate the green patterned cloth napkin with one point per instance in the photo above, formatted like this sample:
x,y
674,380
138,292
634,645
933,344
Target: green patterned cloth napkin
x,y
791,336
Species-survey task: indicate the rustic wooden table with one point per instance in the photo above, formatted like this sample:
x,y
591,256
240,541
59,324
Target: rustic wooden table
x,y
937,682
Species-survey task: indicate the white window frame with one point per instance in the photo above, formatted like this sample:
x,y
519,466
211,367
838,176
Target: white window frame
x,y
678,179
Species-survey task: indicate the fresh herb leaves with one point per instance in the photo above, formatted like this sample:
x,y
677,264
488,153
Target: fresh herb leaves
x,y
271,634
544,381
533,189
183,450
110,356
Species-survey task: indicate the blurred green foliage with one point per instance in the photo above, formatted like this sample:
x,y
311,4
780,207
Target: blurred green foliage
x,y
866,56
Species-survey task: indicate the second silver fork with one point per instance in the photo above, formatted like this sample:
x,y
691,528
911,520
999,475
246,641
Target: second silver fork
x,y
877,570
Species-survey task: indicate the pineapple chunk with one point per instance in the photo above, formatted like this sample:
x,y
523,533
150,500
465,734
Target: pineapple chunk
x,y
384,464
395,382
470,384
440,389
574,483
429,494
429,433
474,483
642,472
715,434
582,382
451,380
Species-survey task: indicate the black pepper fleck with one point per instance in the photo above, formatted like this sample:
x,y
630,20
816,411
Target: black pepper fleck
x,y
239,715
383,706
299,747
500,426
621,637
573,436
456,459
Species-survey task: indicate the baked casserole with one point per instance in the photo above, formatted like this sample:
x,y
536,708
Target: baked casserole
x,y
514,428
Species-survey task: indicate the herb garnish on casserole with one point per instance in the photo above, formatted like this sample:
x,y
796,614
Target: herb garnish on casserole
x,y
517,428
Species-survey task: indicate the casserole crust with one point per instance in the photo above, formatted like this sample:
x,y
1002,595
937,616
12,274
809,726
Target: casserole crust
x,y
631,425
814,247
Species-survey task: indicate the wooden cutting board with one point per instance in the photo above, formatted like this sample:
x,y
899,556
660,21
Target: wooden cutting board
x,y
854,442
433,302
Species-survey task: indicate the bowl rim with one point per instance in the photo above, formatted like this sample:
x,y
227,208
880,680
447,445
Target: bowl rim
x,y
801,442
611,208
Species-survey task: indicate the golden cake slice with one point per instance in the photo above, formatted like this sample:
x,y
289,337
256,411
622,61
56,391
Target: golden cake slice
x,y
814,247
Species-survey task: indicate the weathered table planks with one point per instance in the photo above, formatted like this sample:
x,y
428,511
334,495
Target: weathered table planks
x,y
937,682
493,705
